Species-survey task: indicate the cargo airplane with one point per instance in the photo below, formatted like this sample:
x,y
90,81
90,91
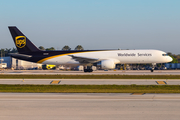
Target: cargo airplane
x,y
106,58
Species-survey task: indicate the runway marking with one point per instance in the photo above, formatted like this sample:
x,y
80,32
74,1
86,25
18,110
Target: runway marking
x,y
123,80
87,99
55,82
161,82
137,93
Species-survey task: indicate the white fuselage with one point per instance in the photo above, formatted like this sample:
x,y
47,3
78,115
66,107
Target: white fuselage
x,y
118,56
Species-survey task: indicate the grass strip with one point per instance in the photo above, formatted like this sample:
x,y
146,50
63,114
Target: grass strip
x,y
5,76
91,88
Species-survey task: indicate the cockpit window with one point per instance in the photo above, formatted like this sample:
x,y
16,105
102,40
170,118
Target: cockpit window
x,y
165,55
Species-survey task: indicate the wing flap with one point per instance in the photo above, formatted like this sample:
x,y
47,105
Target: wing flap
x,y
84,60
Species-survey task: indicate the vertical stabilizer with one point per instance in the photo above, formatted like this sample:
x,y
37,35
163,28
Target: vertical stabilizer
x,y
23,44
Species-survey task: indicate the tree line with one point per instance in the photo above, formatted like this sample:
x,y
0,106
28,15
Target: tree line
x,y
5,52
65,48
176,58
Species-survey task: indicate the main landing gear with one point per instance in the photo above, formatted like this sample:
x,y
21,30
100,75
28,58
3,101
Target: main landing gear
x,y
88,69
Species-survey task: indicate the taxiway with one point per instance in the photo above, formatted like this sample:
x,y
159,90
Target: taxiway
x,y
114,106
99,72
92,81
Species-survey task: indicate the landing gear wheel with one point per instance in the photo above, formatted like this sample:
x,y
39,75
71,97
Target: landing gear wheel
x,y
88,70
153,66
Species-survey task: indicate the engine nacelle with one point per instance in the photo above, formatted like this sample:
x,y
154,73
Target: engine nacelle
x,y
107,64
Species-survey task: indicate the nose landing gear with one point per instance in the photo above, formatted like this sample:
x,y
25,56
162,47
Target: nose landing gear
x,y
153,66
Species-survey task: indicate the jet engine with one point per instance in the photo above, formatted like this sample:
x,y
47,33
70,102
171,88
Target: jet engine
x,y
107,64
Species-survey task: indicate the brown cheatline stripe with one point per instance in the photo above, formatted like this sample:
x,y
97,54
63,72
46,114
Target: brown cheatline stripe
x,y
47,58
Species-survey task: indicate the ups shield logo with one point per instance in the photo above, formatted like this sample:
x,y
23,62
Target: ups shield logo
x,y
20,41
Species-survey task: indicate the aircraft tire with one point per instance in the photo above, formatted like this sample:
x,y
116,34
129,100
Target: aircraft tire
x,y
88,70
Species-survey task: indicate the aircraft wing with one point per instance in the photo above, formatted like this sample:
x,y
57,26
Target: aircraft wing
x,y
84,60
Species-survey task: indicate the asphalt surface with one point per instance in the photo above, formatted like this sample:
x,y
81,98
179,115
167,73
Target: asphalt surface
x,y
92,81
56,106
99,72
83,106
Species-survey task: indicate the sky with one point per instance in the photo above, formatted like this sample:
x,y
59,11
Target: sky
x,y
94,24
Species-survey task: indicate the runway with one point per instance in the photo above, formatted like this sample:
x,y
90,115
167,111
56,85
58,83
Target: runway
x,y
55,106
99,72
92,81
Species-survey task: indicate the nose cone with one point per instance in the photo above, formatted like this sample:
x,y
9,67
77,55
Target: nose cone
x,y
169,59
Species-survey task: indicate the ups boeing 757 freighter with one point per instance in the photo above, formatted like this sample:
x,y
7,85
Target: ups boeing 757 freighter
x,y
107,58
